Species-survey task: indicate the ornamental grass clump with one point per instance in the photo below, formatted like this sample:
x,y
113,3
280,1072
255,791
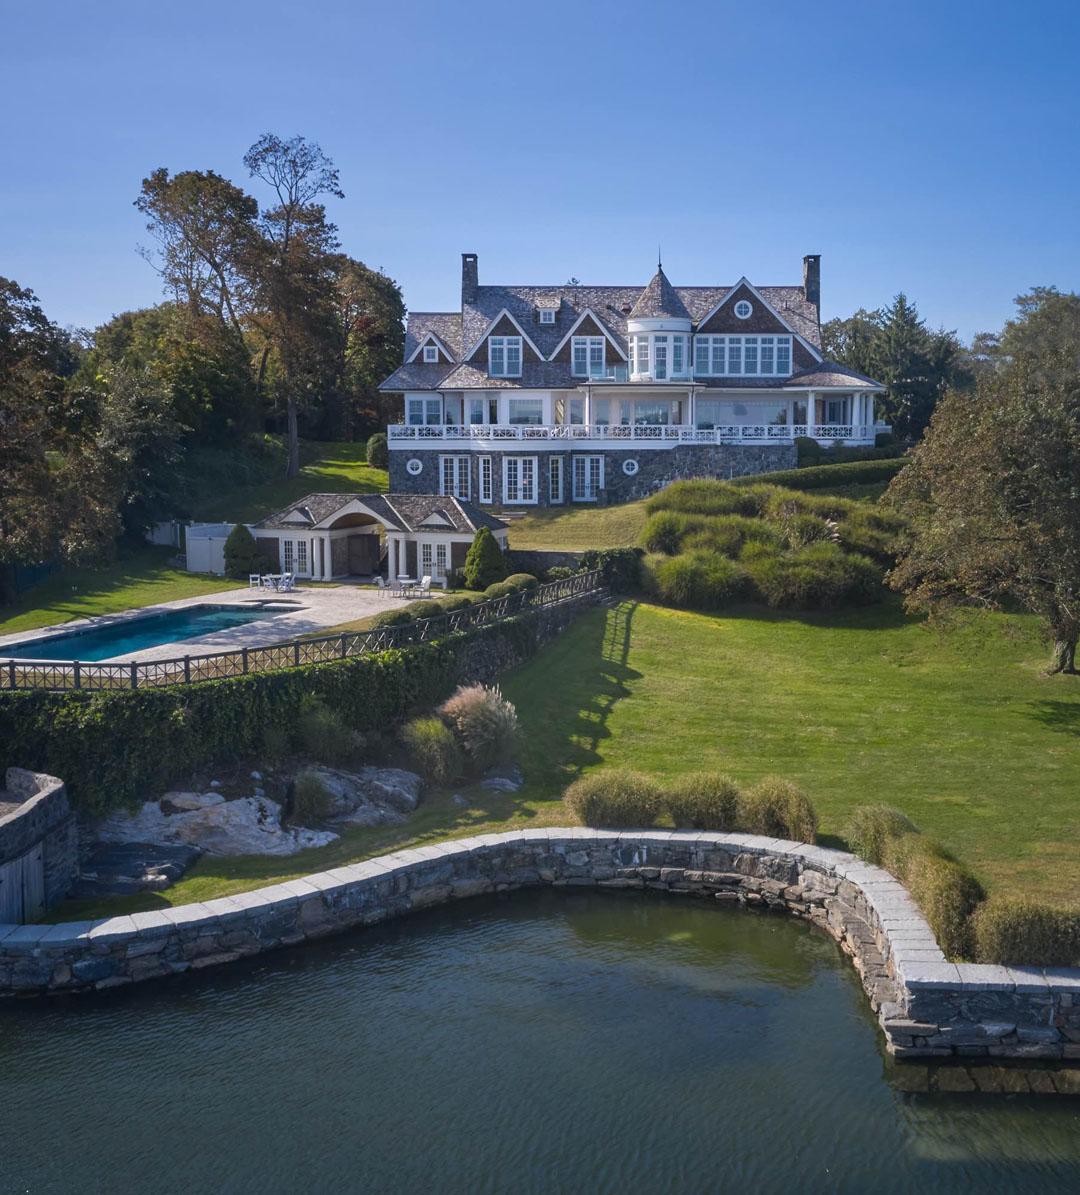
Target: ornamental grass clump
x,y
777,808
700,580
323,735
432,749
484,725
872,827
310,797
945,891
703,801
1022,930
703,496
616,798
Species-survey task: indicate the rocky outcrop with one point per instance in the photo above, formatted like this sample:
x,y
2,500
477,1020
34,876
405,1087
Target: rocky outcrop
x,y
248,826
121,868
369,797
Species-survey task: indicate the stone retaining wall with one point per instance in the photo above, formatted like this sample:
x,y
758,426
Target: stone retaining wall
x,y
41,815
926,1006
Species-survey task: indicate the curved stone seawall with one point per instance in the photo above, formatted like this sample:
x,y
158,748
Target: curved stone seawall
x,y
926,1005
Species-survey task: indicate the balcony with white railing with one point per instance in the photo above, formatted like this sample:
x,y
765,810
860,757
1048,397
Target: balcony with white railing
x,y
653,435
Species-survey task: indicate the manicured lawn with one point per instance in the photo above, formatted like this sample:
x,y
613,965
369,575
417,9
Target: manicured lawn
x,y
327,468
961,732
143,577
578,528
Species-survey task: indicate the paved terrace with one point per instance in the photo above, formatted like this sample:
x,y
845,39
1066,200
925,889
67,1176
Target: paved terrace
x,y
313,610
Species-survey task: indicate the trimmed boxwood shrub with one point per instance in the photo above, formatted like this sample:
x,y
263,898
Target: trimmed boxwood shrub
x,y
432,749
558,572
872,827
522,581
459,601
703,801
377,451
616,798
828,477
425,608
778,808
500,590
946,891
1020,929
397,617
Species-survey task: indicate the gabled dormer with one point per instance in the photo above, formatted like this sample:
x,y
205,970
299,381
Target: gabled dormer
x,y
743,310
589,348
506,347
432,351
547,312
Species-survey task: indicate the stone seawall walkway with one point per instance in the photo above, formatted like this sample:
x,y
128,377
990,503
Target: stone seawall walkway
x,y
926,1006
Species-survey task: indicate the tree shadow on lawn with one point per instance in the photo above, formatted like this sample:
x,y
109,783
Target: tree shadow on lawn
x,y
1063,716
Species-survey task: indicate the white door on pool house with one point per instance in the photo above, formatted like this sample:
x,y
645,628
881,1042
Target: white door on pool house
x,y
434,558
295,557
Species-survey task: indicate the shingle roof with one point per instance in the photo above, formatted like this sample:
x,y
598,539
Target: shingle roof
x,y
659,300
831,373
445,324
397,512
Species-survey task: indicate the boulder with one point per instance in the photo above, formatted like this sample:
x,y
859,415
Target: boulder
x,y
248,826
370,796
186,802
122,868
503,780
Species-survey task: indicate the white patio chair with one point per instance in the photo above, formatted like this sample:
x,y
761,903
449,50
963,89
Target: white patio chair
x,y
254,581
288,582
424,588
381,585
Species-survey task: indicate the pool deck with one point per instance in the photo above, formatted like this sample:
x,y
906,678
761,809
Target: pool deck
x,y
316,610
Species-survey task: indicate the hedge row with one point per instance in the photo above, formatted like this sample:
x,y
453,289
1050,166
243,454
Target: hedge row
x,y
999,929
827,477
114,748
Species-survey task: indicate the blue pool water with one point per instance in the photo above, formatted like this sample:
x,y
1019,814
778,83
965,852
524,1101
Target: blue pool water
x,y
119,639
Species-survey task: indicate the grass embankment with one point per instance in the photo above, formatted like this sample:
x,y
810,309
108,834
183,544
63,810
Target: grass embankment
x,y
143,576
961,732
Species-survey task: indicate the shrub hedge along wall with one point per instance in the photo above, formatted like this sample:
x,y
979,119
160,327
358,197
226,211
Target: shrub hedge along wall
x,y
115,748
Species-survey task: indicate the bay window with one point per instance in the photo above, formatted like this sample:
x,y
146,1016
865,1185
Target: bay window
x,y
419,411
504,356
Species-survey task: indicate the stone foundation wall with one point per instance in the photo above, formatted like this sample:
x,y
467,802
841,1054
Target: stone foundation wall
x,y
656,467
926,1006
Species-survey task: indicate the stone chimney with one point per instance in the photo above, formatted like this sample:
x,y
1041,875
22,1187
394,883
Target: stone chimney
x,y
470,280
811,280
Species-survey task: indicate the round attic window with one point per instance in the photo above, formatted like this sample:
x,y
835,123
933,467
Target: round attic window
x,y
414,466
743,309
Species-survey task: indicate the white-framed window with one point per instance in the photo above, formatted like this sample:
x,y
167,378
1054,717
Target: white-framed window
x,y
301,556
669,351
588,356
555,479
483,465
743,309
288,555
454,475
641,354
660,357
519,479
547,315
431,354
423,410
504,356
755,356
427,558
441,560
588,478
526,410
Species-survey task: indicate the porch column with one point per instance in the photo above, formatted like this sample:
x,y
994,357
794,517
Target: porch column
x,y
328,560
810,413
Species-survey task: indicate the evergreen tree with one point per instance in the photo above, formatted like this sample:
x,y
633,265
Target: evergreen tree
x,y
241,553
485,564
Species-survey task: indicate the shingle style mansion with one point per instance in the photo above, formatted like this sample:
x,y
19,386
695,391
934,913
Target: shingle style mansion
x,y
544,395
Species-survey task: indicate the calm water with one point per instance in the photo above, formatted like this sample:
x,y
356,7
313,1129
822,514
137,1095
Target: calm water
x,y
542,1042
118,640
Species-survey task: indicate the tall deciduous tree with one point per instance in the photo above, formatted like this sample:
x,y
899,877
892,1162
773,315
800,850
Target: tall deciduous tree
x,y
993,491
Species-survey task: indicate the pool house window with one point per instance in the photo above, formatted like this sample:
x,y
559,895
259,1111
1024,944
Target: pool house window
x,y
504,356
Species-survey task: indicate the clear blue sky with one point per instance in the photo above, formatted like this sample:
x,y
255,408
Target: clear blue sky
x,y
929,147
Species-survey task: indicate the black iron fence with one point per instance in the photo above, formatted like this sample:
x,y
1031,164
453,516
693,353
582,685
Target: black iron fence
x,y
139,674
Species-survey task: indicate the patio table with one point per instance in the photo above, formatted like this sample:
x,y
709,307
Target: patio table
x,y
273,580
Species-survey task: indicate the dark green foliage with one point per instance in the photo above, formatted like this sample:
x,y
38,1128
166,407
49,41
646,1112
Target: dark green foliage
x,y
558,572
459,601
1020,930
377,452
615,797
323,736
822,576
499,590
240,553
696,580
827,477
945,891
114,747
619,567
872,827
426,608
778,808
310,798
485,564
522,581
703,801
392,618
433,750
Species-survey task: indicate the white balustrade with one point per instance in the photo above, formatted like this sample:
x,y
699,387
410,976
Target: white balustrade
x,y
665,435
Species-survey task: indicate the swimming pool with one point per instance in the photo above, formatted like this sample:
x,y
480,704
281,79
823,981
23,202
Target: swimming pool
x,y
148,630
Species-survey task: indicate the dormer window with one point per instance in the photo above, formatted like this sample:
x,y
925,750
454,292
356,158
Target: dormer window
x,y
431,354
547,315
504,356
588,356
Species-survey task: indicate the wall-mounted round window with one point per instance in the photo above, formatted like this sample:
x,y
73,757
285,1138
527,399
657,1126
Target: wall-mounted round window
x,y
743,309
630,466
414,466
